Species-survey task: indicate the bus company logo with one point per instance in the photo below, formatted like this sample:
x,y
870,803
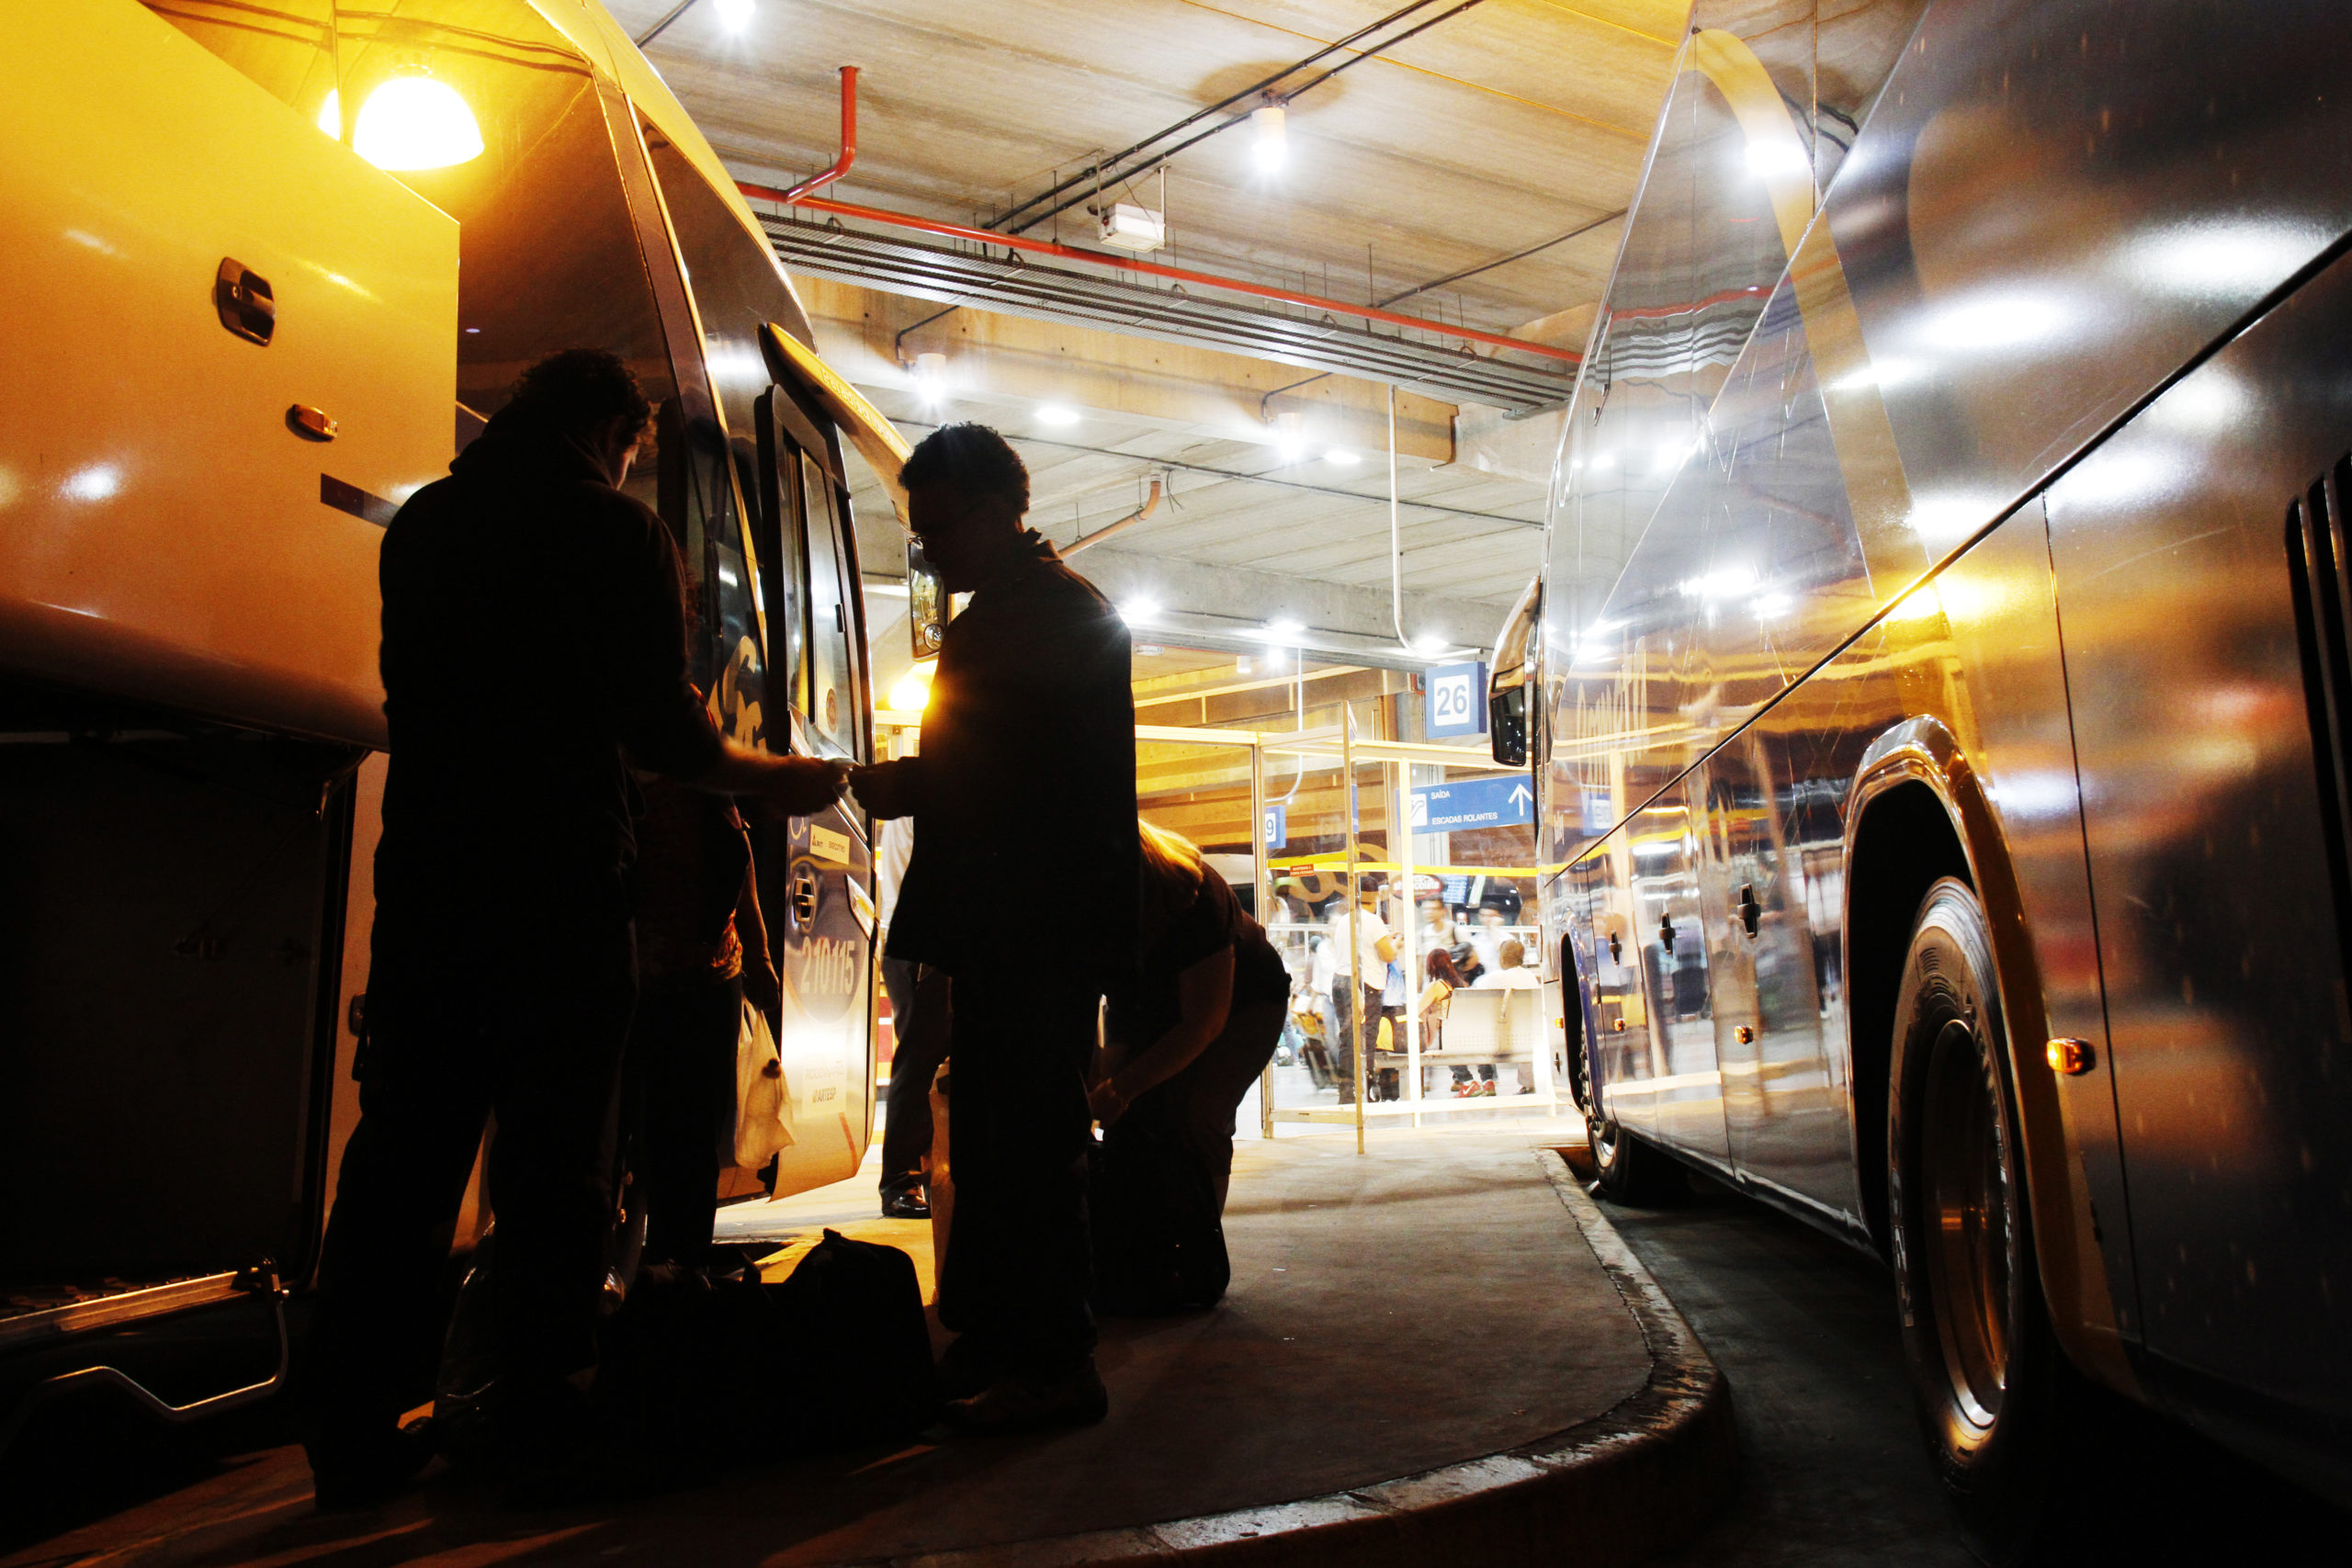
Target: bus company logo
x,y
829,967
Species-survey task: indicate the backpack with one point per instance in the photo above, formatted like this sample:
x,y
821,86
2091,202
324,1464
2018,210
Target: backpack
x,y
860,1367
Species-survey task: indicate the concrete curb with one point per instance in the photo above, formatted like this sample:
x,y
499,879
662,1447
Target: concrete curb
x,y
1626,1485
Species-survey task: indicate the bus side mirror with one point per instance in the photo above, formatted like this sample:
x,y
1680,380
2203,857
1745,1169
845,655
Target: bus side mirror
x,y
1511,679
1507,720
926,604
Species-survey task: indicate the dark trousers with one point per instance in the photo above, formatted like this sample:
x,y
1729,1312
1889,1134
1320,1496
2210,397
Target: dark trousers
x,y
679,1093
1200,1100
1019,1267
918,1045
535,1033
1356,1023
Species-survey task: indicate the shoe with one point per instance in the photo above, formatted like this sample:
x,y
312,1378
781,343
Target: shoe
x,y
968,1366
355,1472
1021,1404
909,1205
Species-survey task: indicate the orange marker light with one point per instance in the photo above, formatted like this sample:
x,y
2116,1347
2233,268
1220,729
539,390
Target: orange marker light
x,y
2069,1058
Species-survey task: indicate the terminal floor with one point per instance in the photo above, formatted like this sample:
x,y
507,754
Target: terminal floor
x,y
1428,1302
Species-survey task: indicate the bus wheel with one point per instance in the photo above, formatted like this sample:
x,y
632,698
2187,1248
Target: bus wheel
x,y
1628,1170
1991,1385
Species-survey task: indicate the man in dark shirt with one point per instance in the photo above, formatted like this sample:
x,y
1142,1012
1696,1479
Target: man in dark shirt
x,y
534,633
1026,780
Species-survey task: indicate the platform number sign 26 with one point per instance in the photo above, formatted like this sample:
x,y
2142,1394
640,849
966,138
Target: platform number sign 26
x,y
1456,701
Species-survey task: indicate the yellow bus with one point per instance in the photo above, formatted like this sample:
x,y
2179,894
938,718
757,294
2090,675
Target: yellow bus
x,y
269,263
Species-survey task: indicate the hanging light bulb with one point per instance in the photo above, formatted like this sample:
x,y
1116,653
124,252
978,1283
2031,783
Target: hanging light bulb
x,y
1270,146
931,377
330,121
415,122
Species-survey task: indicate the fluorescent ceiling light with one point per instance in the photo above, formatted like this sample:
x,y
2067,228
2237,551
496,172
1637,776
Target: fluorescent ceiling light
x,y
1139,611
1342,456
1056,414
735,14
1271,146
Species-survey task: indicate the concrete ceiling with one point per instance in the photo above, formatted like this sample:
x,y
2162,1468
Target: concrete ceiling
x,y
1508,125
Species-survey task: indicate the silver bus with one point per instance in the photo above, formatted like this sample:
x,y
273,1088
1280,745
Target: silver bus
x,y
1939,693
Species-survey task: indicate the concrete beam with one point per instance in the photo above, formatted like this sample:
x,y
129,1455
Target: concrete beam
x,y
1227,607
1014,358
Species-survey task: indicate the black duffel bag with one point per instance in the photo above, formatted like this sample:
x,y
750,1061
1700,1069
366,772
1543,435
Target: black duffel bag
x,y
701,1366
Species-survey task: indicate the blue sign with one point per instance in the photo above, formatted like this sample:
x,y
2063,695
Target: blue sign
x,y
1474,803
1277,825
1455,701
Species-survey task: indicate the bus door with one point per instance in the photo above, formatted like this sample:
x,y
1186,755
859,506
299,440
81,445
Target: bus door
x,y
1784,1126
1669,923
816,876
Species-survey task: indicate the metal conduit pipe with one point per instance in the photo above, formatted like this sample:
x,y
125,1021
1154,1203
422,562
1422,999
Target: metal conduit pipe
x,y
849,141
797,196
1129,521
1095,173
1395,535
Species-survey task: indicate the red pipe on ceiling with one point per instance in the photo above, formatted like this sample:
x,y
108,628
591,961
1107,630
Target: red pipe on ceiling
x,y
849,142
798,196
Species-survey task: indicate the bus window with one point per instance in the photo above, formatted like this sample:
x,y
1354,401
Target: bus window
x,y
780,544
833,710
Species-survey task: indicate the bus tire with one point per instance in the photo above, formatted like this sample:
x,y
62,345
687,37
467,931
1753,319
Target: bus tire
x,y
1625,1169
1992,1390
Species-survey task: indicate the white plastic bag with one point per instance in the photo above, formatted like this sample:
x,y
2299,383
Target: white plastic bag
x,y
763,1120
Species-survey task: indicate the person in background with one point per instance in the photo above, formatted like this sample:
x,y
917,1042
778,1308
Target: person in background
x,y
916,1050
1436,928
1488,938
504,964
1393,996
1191,1030
1511,974
702,951
1028,765
1445,979
1357,1016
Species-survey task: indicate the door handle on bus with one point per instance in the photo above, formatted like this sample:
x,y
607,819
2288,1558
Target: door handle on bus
x,y
804,897
1750,911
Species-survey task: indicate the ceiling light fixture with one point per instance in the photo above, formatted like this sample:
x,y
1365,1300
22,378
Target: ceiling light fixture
x,y
1342,456
1056,414
1282,631
1126,226
415,122
1139,611
735,14
930,376
1270,144
1290,439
